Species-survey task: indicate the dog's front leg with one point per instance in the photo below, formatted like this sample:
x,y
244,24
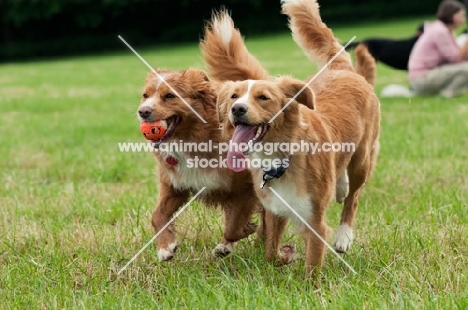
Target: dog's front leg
x,y
170,201
237,221
315,247
342,187
274,227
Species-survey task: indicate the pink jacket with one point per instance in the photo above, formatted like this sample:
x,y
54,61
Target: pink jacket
x,y
436,46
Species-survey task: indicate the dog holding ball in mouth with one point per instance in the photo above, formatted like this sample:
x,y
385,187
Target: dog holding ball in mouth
x,y
153,131
167,115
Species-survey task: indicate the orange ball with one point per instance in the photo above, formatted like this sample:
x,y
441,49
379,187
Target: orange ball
x,y
153,131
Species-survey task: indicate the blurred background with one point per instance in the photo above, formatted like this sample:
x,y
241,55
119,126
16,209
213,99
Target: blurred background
x,y
42,28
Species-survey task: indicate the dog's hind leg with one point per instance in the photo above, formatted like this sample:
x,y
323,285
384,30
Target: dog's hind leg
x,y
359,170
170,201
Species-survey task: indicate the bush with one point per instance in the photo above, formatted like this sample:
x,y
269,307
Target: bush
x,y
31,28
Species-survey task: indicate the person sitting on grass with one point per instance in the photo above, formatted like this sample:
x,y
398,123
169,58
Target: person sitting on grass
x,y
437,64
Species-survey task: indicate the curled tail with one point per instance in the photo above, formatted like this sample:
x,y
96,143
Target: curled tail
x,y
313,36
225,53
365,63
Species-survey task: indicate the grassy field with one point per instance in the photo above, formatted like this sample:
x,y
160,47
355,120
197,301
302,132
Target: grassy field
x,y
74,210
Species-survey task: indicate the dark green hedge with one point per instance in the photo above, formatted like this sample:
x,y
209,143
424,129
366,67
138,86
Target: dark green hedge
x,y
34,28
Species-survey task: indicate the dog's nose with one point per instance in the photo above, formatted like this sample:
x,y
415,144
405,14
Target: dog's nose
x,y
239,109
145,112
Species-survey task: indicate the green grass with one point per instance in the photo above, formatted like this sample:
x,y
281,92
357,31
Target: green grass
x,y
74,210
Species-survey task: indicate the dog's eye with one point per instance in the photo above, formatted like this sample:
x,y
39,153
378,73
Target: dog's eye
x,y
145,95
169,96
234,96
263,97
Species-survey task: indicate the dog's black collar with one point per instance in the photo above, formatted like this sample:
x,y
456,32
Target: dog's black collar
x,y
275,172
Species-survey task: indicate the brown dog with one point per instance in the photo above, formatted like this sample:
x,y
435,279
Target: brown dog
x,y
339,108
179,174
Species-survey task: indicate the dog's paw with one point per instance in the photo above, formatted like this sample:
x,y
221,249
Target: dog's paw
x,y
250,228
223,250
342,188
344,238
166,254
287,254
340,197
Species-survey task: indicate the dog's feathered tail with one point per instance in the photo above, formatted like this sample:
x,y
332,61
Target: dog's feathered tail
x,y
313,36
365,63
225,53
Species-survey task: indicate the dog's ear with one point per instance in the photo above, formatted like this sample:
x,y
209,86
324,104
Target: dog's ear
x,y
298,90
198,82
195,75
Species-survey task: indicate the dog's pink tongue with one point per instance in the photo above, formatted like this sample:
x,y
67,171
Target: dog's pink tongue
x,y
242,134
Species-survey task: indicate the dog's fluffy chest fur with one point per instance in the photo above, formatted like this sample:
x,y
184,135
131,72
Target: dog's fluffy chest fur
x,y
287,188
288,192
184,177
